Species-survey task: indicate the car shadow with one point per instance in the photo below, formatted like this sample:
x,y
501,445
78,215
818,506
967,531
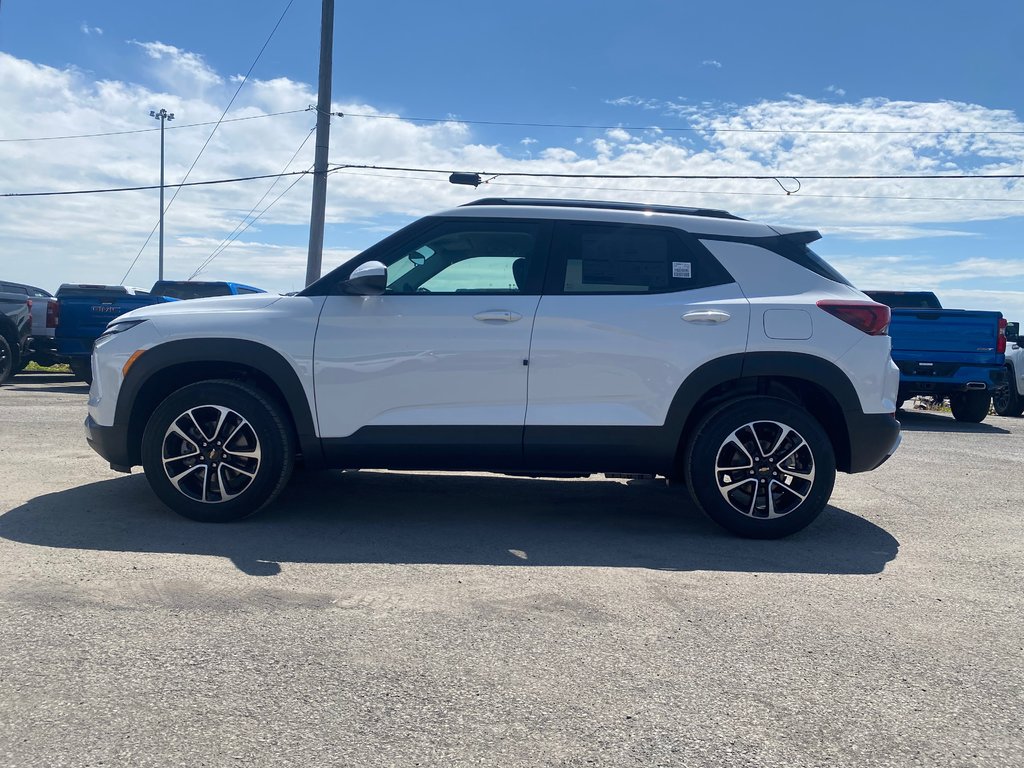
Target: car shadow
x,y
43,381
930,421
381,517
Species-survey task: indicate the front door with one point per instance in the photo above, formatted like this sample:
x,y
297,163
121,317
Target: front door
x,y
437,362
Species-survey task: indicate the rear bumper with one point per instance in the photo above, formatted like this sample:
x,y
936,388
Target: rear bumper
x,y
966,378
111,443
43,344
874,437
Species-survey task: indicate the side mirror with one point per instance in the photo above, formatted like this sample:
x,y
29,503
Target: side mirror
x,y
1013,332
369,279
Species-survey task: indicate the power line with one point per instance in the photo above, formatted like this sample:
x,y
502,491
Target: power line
x,y
689,176
509,174
210,137
150,130
680,129
256,218
149,186
231,236
698,191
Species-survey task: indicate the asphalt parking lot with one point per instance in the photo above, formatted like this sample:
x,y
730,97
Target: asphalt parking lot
x,y
378,619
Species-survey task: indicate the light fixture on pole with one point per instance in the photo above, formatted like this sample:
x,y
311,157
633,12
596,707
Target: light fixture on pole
x,y
163,116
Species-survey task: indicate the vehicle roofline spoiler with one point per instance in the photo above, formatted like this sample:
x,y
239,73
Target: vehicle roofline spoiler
x,y
799,234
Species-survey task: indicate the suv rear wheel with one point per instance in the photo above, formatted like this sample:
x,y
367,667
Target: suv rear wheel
x,y
760,467
218,451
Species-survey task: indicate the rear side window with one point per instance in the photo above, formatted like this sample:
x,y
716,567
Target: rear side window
x,y
612,258
801,254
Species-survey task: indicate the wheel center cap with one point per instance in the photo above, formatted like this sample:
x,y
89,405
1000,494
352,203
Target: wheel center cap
x,y
213,454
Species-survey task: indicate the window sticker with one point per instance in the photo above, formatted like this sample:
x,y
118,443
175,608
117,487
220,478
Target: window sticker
x,y
681,269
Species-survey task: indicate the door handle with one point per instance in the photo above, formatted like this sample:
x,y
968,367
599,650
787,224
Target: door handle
x,y
706,316
497,316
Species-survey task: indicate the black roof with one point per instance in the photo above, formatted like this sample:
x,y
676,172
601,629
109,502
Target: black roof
x,y
713,213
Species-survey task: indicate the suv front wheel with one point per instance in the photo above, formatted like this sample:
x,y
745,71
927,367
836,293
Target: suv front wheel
x,y
217,451
760,467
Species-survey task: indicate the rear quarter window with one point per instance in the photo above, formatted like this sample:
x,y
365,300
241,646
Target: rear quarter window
x,y
595,258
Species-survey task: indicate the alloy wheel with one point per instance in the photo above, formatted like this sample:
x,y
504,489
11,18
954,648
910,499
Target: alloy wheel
x,y
764,469
211,454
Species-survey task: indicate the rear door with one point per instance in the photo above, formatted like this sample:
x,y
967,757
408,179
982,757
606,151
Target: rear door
x,y
629,312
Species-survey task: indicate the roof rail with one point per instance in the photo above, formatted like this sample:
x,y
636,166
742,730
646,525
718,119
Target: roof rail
x,y
713,213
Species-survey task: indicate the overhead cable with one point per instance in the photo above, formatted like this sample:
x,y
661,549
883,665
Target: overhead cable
x,y
232,236
151,130
209,138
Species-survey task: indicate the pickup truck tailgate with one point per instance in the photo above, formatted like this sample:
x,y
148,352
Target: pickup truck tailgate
x,y
953,335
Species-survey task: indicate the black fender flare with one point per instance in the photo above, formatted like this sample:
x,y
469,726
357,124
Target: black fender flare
x,y
243,353
748,368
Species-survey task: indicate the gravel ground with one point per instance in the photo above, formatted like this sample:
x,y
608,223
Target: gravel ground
x,y
378,619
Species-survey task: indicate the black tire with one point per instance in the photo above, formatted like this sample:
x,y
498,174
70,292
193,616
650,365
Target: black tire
x,y
8,360
971,407
82,369
235,487
1006,401
804,448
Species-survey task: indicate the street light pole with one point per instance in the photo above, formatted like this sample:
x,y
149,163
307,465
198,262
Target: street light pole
x,y
163,116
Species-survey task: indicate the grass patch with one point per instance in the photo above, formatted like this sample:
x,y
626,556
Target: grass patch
x,y
36,368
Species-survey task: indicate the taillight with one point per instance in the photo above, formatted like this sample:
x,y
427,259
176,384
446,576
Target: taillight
x,y
867,316
52,314
1001,338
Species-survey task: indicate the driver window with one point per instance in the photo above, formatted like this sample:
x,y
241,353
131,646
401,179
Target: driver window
x,y
469,257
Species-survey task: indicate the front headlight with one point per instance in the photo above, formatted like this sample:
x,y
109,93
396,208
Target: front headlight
x,y
119,326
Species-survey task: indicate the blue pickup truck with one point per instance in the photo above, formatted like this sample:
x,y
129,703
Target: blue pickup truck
x,y
85,310
954,353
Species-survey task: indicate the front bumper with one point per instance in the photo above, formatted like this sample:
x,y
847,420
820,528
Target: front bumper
x,y
111,443
874,437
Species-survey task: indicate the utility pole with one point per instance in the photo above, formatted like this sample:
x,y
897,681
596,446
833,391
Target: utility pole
x,y
314,259
163,116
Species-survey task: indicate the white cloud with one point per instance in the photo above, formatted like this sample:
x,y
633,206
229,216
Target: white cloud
x,y
93,238
527,141
176,63
87,30
836,90
711,63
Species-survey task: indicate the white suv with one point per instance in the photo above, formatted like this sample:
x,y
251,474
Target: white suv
x,y
521,336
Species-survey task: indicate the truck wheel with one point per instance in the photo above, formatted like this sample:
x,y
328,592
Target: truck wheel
x,y
1005,400
971,406
82,369
218,451
7,360
760,467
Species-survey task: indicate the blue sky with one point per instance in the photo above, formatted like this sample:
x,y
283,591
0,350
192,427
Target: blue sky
x,y
73,67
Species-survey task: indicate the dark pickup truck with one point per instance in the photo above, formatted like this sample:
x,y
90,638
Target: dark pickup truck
x,y
15,329
85,310
954,353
